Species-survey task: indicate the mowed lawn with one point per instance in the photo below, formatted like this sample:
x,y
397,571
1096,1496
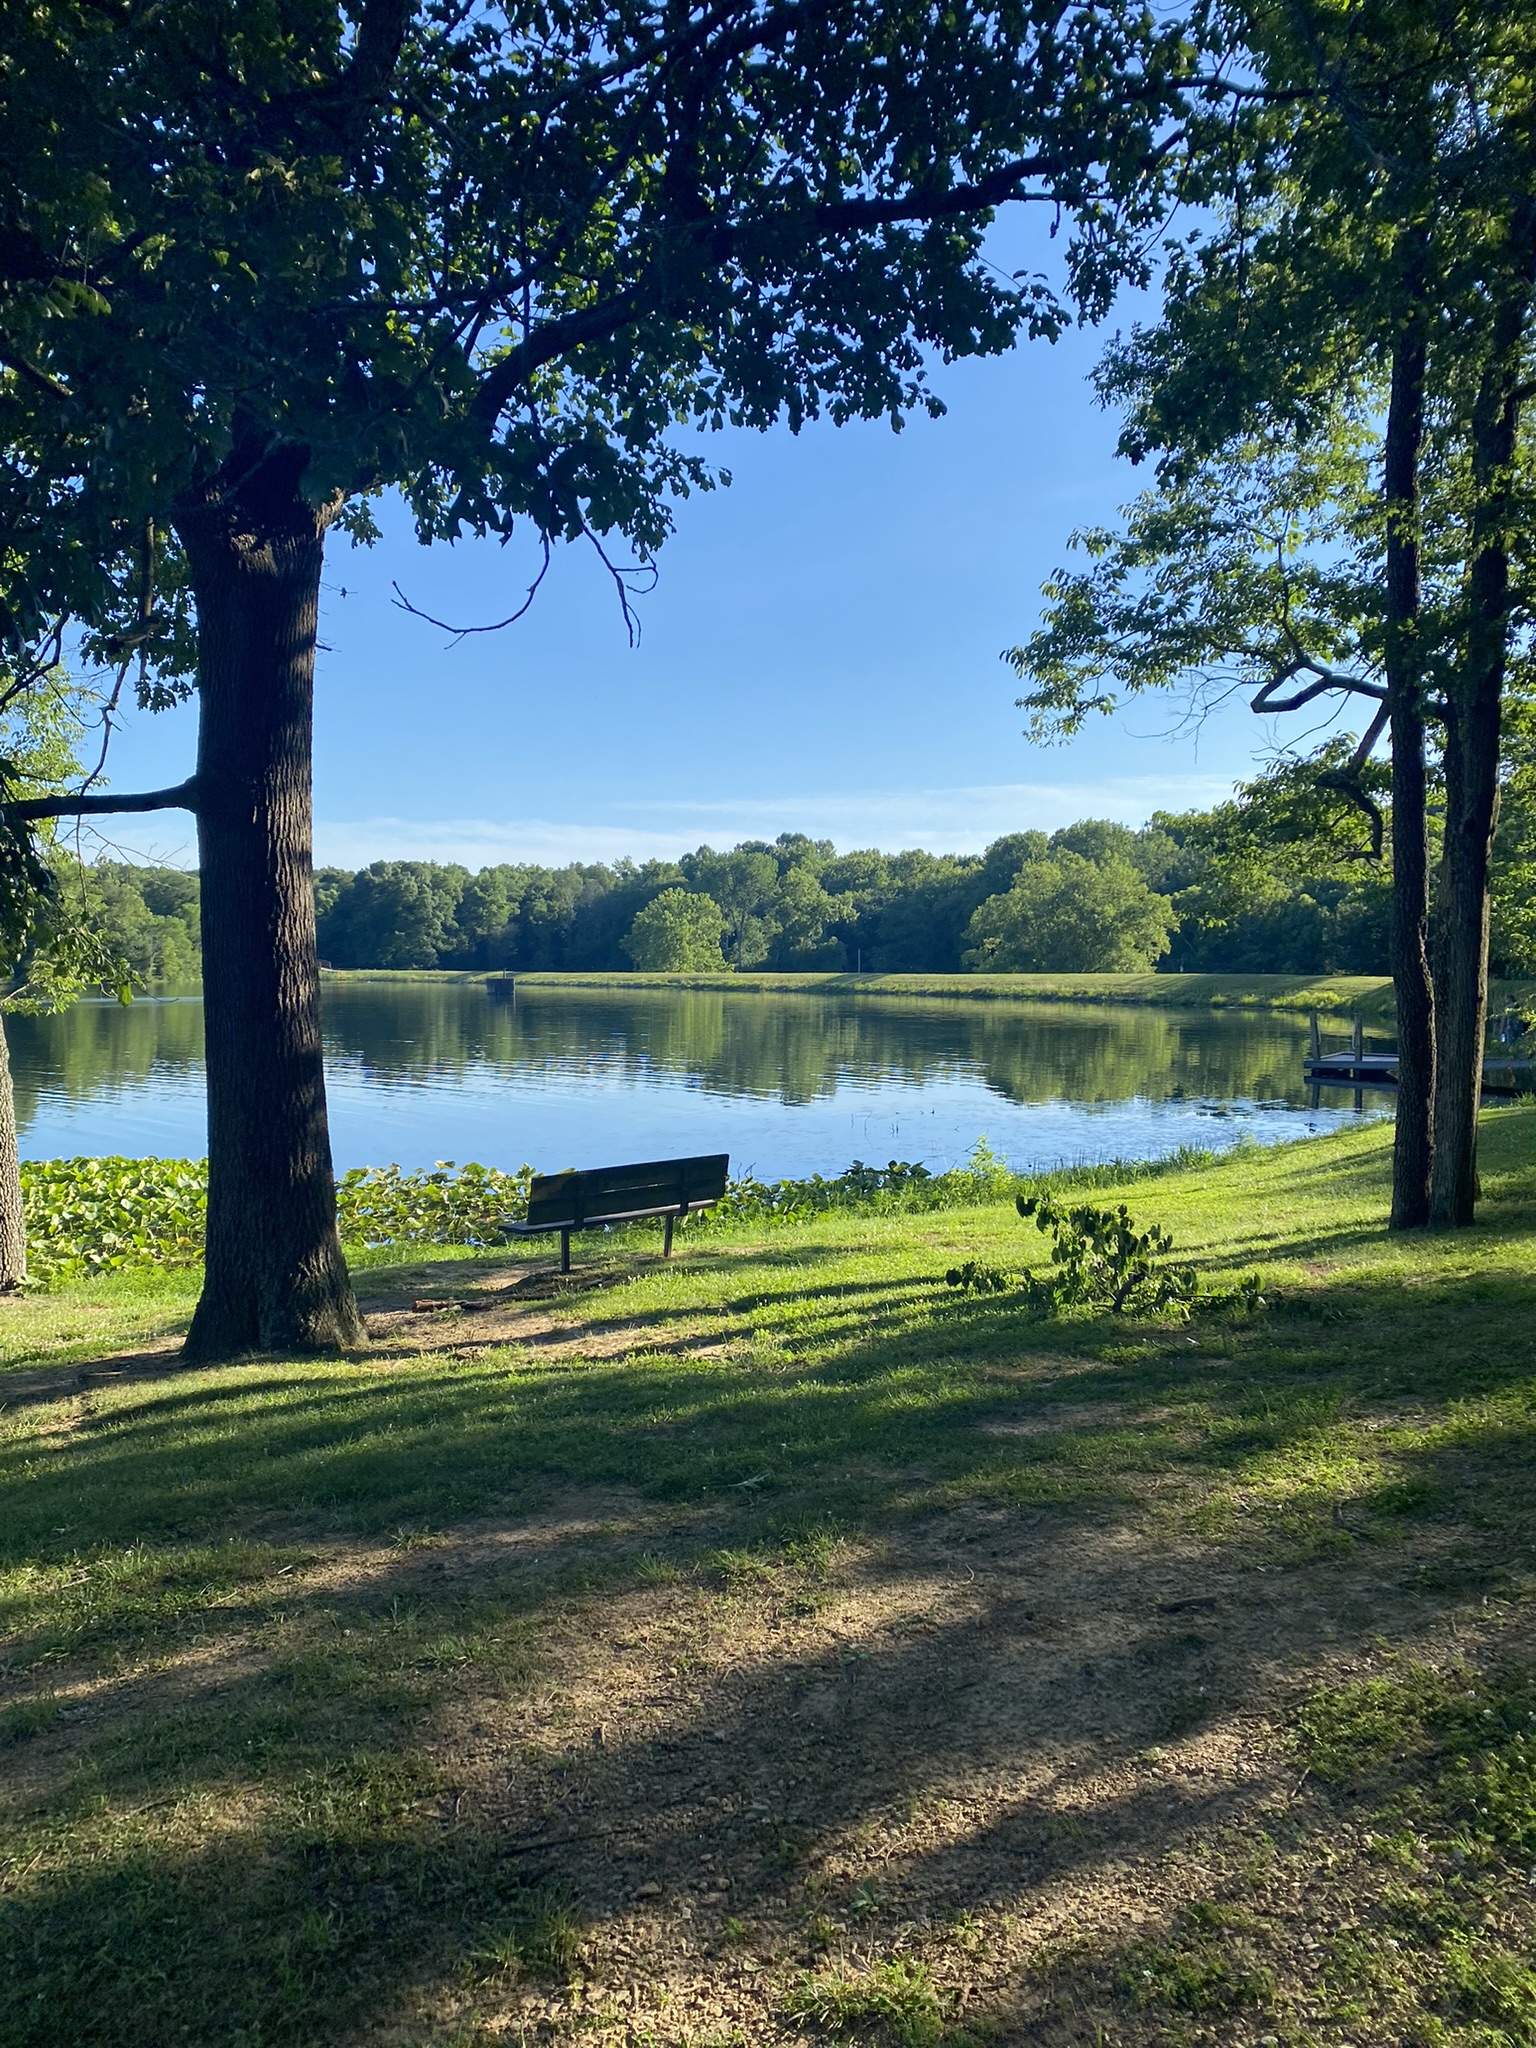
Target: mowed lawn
x,y
776,1646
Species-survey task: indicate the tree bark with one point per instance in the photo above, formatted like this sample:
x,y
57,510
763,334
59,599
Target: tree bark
x,y
13,1222
275,1277
1472,782
1413,1138
1461,952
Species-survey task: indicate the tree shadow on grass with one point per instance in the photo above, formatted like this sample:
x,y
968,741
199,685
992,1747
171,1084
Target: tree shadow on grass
x,y
335,1852
1032,1706
917,1397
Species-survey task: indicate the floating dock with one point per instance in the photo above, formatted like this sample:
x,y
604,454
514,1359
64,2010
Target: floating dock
x,y
1352,1066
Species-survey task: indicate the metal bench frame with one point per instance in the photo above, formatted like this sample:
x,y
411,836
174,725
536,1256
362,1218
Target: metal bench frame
x,y
583,1199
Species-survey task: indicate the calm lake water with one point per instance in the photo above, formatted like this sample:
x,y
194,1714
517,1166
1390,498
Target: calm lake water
x,y
786,1084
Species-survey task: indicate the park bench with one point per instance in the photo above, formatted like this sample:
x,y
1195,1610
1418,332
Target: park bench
x,y
621,1194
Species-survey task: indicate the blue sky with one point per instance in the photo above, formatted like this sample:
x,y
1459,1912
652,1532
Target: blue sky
x,y
820,654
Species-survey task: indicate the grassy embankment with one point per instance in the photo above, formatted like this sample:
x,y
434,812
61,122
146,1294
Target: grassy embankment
x,y
1369,994
775,1645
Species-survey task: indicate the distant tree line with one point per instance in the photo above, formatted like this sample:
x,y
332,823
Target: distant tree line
x,y
147,916
1265,884
1182,893
1093,895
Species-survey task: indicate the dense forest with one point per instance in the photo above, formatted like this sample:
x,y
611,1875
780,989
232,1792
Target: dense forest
x,y
1259,885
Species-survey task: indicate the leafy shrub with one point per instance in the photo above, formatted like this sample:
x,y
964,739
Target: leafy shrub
x,y
1101,1260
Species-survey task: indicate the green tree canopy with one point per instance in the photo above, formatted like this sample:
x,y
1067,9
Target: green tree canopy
x,y
1337,399
1514,867
397,913
1065,914
677,933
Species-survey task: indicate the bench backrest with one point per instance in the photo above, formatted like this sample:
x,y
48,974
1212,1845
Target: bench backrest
x,y
607,1194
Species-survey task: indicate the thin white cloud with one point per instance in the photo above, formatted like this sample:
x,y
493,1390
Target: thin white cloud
x,y
482,842
962,820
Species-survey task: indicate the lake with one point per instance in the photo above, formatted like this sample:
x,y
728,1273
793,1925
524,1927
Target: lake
x,y
787,1084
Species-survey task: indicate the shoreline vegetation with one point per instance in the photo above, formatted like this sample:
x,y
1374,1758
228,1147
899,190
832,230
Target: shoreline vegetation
x,y
1369,995
777,1634
104,1214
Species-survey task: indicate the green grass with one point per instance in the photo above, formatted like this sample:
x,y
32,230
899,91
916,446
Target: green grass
x,y
1369,994
1414,1856
895,2001
229,1677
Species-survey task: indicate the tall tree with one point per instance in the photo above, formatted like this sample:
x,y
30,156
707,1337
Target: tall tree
x,y
1365,300
490,257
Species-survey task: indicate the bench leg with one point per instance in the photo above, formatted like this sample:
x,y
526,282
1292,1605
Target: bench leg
x,y
666,1250
565,1251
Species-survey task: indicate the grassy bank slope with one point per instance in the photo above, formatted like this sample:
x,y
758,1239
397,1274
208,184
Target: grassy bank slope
x,y
775,1646
1370,995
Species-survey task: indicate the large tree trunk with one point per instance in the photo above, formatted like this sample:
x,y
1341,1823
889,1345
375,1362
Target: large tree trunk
x,y
275,1278
1413,1139
1461,950
13,1222
1472,783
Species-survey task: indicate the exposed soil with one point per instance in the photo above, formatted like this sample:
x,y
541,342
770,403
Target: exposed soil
x,y
994,1737
426,1308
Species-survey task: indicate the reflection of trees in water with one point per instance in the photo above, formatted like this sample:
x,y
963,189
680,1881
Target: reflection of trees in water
x,y
1107,1055
795,1048
95,1048
799,1048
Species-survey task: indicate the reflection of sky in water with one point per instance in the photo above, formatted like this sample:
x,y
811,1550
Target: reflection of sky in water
x,y
607,1099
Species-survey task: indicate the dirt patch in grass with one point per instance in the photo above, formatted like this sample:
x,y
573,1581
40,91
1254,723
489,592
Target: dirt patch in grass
x,y
984,1740
991,1737
472,1307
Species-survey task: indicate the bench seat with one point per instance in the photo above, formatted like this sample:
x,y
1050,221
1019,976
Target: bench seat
x,y
582,1199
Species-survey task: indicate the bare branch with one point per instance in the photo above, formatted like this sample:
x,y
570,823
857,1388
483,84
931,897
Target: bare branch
x,y
621,585
458,633
35,666
183,797
622,582
1346,780
1326,679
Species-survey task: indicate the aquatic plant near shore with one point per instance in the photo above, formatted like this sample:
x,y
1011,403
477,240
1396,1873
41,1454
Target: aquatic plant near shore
x,y
905,1187
88,1216
441,1204
95,1215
